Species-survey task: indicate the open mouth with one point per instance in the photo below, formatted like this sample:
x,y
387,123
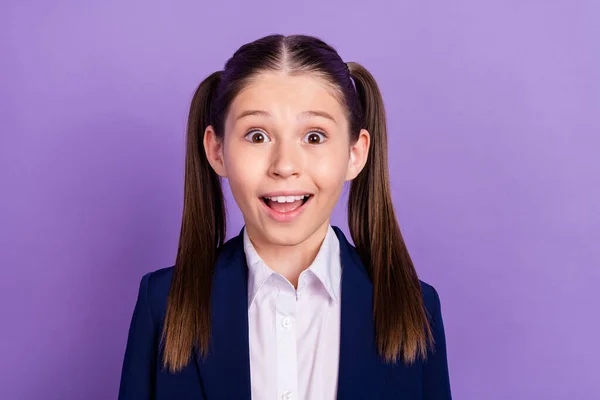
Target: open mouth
x,y
285,204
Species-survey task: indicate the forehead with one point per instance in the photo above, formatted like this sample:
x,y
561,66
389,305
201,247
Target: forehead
x,y
278,92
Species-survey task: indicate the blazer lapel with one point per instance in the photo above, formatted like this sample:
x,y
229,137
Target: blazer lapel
x,y
225,371
361,371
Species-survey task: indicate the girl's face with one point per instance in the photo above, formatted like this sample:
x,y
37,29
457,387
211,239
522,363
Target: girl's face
x,y
286,153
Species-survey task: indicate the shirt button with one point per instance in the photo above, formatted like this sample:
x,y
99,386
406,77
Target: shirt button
x,y
287,395
286,323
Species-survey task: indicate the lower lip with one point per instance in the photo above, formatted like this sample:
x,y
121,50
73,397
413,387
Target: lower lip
x,y
286,216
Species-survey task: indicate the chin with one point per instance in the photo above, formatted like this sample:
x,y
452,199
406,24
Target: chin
x,y
285,235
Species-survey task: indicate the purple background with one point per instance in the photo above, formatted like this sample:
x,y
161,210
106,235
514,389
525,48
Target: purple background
x,y
494,124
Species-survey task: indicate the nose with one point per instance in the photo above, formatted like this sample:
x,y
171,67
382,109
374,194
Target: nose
x,y
286,160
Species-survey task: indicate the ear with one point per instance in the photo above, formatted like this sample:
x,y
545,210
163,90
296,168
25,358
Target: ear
x,y
214,151
359,152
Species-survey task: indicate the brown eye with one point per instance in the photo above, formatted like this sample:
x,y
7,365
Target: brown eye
x,y
257,137
315,137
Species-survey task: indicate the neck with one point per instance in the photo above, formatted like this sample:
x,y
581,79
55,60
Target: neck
x,y
290,261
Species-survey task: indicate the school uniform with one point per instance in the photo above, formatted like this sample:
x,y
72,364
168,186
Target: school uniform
x,y
271,341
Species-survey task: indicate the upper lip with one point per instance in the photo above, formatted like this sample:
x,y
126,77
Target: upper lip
x,y
287,193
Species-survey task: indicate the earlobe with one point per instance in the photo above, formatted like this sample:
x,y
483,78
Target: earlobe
x,y
213,148
359,152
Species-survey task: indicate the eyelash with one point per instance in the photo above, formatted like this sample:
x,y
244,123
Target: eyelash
x,y
322,132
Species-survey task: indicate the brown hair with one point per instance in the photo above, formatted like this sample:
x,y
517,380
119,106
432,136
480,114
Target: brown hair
x,y
403,331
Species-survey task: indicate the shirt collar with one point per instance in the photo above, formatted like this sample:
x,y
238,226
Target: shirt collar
x,y
326,266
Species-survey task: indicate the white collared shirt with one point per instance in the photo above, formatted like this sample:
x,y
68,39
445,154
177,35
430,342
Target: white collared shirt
x,y
294,335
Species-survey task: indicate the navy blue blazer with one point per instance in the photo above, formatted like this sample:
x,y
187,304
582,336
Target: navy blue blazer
x,y
225,372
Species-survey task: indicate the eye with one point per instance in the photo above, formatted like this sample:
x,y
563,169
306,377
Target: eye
x,y
315,137
257,137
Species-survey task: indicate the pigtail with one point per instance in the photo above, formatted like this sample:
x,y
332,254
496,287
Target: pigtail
x,y
402,327
187,320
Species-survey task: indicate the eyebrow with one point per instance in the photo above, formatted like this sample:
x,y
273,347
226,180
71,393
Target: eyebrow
x,y
303,114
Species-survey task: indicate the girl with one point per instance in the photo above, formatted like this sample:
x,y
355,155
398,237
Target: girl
x,y
288,309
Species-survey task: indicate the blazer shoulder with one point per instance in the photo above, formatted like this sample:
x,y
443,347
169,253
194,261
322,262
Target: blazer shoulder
x,y
155,285
436,378
431,298
158,284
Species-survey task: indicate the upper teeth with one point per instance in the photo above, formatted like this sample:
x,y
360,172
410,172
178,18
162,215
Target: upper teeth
x,y
287,199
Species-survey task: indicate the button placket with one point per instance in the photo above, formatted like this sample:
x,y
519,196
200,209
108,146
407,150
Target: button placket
x,y
287,322
287,370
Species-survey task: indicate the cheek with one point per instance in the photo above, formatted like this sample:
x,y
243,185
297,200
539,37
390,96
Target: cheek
x,y
328,170
243,170
240,178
